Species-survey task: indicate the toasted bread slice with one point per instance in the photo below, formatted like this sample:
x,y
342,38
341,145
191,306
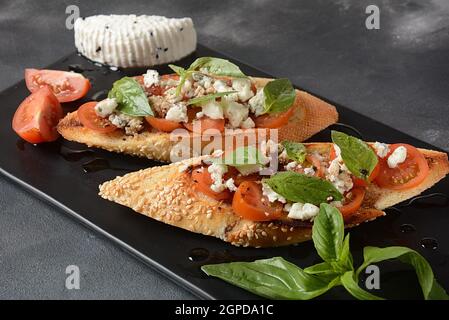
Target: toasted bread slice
x,y
166,193
311,116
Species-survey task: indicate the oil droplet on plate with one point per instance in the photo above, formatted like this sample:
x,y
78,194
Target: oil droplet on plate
x,y
429,243
407,228
198,254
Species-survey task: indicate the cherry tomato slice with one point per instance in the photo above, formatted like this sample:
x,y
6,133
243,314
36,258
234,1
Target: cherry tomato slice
x,y
163,124
274,121
36,117
90,119
202,182
354,200
205,123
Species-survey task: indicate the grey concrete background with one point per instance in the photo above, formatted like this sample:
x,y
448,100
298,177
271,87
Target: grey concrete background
x,y
397,75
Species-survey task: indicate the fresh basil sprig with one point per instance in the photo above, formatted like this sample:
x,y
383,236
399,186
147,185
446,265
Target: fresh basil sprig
x,y
130,97
295,151
207,98
279,95
358,157
277,278
298,187
244,159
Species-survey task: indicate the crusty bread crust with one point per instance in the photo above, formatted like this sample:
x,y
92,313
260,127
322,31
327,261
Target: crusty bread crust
x,y
167,194
311,116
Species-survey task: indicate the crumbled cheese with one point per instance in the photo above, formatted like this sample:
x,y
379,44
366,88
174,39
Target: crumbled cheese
x,y
213,110
338,153
131,124
306,211
151,78
243,88
230,184
256,103
105,107
216,173
271,195
248,123
309,171
339,176
186,86
221,86
134,126
205,82
235,113
382,149
178,113
397,157
291,166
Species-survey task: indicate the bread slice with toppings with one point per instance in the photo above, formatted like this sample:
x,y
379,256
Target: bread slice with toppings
x,y
311,115
168,194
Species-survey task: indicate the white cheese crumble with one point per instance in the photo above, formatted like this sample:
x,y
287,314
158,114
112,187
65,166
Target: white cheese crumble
x,y
256,103
105,107
397,157
216,174
236,113
151,78
309,171
177,112
243,88
291,166
131,124
381,149
213,110
271,195
247,124
306,211
339,176
230,184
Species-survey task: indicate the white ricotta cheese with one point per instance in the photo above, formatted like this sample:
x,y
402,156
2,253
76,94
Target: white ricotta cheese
x,y
397,157
213,110
105,107
243,88
300,211
151,78
177,113
271,195
256,103
381,149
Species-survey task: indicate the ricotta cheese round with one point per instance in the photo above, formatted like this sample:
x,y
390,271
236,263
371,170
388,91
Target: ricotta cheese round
x,y
134,41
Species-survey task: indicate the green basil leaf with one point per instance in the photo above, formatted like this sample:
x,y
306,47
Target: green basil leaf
x,y
349,282
295,151
322,269
243,156
178,70
279,95
356,154
217,66
131,98
207,98
273,278
430,287
298,187
345,261
328,233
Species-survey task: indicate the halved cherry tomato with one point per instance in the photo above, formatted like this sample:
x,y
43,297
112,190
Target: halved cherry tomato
x,y
239,178
315,161
36,117
354,200
406,175
249,203
163,124
67,86
205,123
202,181
274,121
90,119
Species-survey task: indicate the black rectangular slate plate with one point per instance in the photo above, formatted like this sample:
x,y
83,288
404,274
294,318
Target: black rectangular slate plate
x,y
45,172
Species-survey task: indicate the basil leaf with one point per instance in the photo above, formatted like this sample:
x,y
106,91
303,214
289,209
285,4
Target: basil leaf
x,y
349,282
273,278
430,287
217,66
328,233
209,97
301,188
345,261
322,269
356,154
243,156
130,97
295,151
279,95
178,70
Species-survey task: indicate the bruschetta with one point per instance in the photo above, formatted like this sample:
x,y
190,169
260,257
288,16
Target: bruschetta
x,y
211,98
262,206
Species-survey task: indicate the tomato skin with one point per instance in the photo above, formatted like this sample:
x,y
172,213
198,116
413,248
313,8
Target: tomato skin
x,y
205,123
406,175
36,118
202,182
358,194
274,121
315,161
163,124
67,86
89,118
249,203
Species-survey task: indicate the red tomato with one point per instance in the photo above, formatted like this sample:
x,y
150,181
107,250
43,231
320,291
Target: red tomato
x,y
406,175
67,86
205,123
37,116
315,161
354,200
202,182
249,203
274,121
90,119
163,124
